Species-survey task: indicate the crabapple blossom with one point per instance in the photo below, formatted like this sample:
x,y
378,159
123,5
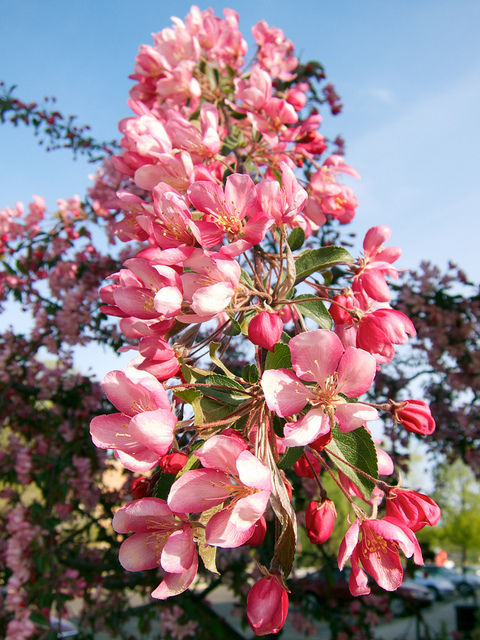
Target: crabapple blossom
x,y
413,509
231,476
234,214
376,264
160,538
218,166
318,356
415,416
143,430
374,544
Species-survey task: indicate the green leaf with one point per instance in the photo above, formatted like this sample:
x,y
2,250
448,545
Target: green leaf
x,y
188,395
315,310
290,458
205,551
233,328
357,448
321,259
250,373
233,398
163,485
280,358
209,410
296,238
37,618
278,425
246,279
213,348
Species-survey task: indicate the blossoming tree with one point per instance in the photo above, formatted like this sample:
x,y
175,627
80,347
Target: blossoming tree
x,y
228,199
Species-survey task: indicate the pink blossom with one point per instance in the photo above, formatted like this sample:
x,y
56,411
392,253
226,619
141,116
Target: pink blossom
x,y
259,533
230,475
160,538
267,605
144,290
283,202
376,264
303,466
318,356
143,430
377,551
329,197
234,214
185,135
210,286
413,509
379,330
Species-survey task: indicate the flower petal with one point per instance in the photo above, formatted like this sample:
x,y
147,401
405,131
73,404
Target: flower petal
x,y
284,392
356,371
176,583
315,355
179,551
351,415
314,424
198,490
140,552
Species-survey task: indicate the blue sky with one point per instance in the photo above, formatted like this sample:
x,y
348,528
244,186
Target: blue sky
x,y
408,73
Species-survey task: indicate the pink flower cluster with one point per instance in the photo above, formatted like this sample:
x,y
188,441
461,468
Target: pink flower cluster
x,y
221,214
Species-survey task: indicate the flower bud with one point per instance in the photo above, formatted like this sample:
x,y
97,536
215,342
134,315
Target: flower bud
x,y
416,417
258,535
321,442
267,606
173,462
320,520
265,329
339,315
303,469
139,487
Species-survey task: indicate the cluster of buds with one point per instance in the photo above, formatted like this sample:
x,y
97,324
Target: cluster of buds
x,y
224,222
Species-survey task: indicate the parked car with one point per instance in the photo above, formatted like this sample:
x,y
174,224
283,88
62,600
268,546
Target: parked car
x,y
466,583
441,587
321,586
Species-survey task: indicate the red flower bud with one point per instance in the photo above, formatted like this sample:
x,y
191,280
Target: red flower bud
x,y
320,520
303,469
321,442
416,417
173,462
258,535
267,606
139,487
339,315
265,329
